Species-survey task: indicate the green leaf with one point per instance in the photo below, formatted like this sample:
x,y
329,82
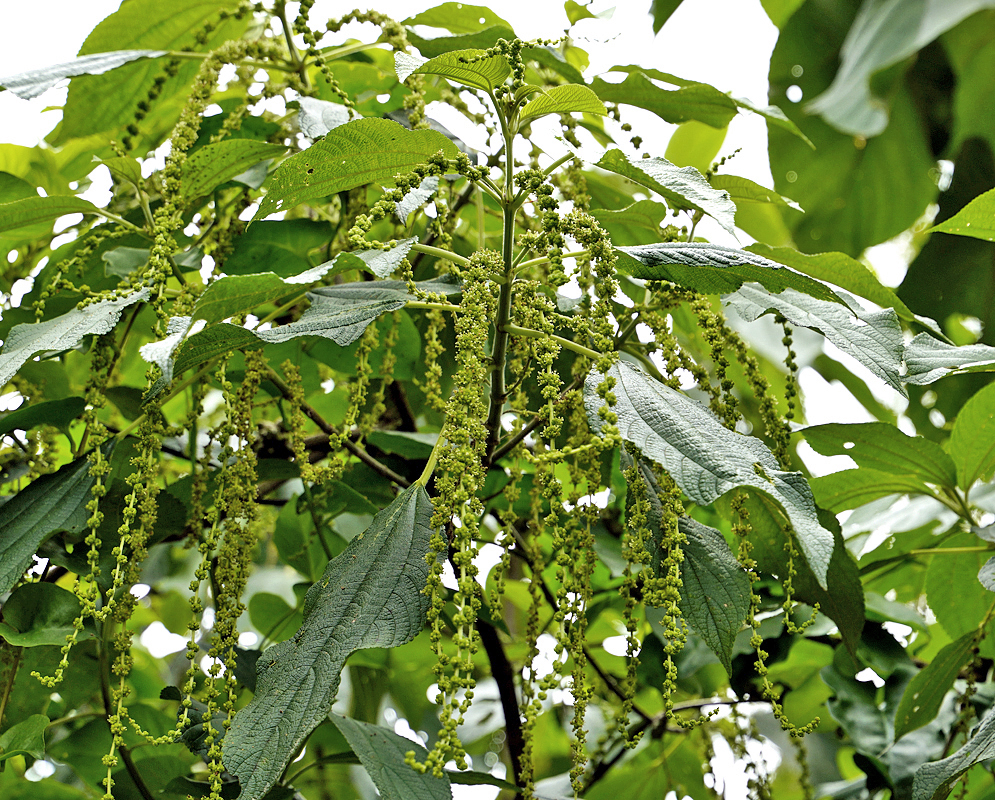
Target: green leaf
x,y
218,163
318,117
122,261
713,269
661,11
39,614
404,444
476,40
851,488
32,210
471,68
694,101
837,268
123,169
780,11
681,187
716,595
98,103
934,781
566,98
972,441
775,117
27,85
927,359
743,190
381,263
705,458
976,219
416,198
986,575
381,752
355,154
58,413
925,692
880,446
954,594
457,17
369,596
645,214
883,34
874,338
26,738
695,144
576,12
281,246
61,333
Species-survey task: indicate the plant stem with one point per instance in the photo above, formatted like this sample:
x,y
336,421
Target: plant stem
x,y
938,551
567,343
438,306
504,676
536,262
438,252
510,444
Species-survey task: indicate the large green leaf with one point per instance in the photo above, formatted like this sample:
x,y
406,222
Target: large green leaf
x,y
360,152
39,614
874,338
381,752
681,187
280,246
475,40
695,101
925,692
26,738
972,441
51,503
976,219
645,214
851,488
705,458
566,98
61,333
716,595
934,781
884,33
471,68
840,269
33,210
877,445
35,82
369,596
217,163
927,359
953,591
714,269
457,17
98,103
58,413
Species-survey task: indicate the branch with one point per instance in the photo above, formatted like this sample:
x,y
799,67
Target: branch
x,y
504,676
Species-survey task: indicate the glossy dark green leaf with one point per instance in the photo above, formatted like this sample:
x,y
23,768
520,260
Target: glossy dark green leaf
x,y
217,163
566,98
457,17
39,614
58,413
925,692
714,269
705,458
355,154
473,68
934,781
880,446
61,333
972,441
26,738
681,187
381,752
369,596
37,81
661,11
874,338
32,210
404,444
695,101
837,268
927,359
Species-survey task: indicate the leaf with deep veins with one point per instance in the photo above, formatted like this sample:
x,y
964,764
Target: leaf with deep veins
x,y
705,458
370,595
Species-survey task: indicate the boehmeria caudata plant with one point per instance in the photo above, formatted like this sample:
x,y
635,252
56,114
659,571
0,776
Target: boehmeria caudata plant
x,y
381,426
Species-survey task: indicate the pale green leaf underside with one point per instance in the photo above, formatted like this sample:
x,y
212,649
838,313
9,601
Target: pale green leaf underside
x,y
681,187
415,199
564,99
217,163
705,458
52,503
976,219
880,446
874,338
360,152
469,67
714,269
972,441
934,781
927,359
32,210
381,752
318,117
27,85
61,333
716,595
370,595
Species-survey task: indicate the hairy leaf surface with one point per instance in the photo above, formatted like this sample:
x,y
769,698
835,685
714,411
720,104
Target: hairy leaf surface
x,y
927,359
934,781
27,85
